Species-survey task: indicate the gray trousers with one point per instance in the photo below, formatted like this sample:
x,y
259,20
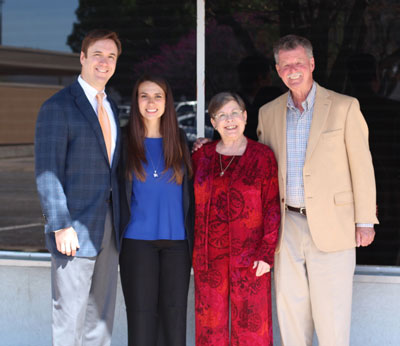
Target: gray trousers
x,y
84,294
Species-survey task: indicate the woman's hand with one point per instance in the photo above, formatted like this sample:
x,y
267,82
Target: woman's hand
x,y
262,267
199,143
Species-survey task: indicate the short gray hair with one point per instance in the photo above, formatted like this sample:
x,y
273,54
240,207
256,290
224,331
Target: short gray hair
x,y
221,99
290,42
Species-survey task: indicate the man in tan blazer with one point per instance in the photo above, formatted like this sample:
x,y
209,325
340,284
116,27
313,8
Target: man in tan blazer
x,y
328,203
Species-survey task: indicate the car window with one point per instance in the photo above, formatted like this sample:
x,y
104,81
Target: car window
x,y
185,109
188,121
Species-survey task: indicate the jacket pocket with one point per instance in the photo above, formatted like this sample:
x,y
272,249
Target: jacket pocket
x,y
332,133
345,197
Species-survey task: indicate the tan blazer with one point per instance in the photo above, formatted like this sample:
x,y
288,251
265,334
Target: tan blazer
x,y
339,182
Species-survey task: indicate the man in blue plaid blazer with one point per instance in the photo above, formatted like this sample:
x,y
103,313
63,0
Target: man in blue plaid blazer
x,y
76,176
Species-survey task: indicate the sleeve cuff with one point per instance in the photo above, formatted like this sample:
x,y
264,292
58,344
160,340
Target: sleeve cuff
x,y
364,225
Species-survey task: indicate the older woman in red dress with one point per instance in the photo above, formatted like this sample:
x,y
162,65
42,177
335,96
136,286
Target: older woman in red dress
x,y
236,229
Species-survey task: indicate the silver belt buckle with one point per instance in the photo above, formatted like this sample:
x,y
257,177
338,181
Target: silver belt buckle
x,y
302,211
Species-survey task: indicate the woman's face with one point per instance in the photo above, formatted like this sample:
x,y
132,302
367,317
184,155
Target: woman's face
x,y
151,101
229,121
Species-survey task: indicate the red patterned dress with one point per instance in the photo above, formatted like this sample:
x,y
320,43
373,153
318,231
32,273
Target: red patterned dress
x,y
237,222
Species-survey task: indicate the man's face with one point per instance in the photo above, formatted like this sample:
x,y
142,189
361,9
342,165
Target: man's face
x,y
295,68
99,64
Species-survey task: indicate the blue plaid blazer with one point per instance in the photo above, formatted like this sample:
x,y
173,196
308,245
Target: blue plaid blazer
x,y
73,176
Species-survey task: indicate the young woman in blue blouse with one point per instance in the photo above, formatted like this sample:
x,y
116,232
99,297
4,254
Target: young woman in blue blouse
x,y
157,218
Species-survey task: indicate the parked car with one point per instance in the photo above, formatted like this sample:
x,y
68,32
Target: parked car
x,y
186,112
185,107
123,115
187,122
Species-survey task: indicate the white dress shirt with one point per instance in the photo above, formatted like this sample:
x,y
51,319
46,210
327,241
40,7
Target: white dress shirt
x,y
91,93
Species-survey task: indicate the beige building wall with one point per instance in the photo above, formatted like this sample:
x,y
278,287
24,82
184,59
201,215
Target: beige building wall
x,y
20,96
20,104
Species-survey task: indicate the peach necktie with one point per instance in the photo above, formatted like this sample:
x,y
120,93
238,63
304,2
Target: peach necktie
x,y
104,123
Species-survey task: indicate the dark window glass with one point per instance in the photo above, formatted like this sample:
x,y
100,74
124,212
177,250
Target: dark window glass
x,y
356,49
39,54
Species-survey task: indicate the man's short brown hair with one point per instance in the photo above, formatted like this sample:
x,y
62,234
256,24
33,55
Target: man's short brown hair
x,y
100,34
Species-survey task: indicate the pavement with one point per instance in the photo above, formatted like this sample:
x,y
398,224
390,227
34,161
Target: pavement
x,y
21,223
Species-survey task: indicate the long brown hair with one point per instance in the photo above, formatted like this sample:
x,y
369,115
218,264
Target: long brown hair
x,y
176,151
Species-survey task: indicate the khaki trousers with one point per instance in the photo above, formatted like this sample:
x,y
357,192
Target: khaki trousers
x,y
313,288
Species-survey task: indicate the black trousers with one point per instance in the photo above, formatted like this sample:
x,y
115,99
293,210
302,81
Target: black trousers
x,y
155,281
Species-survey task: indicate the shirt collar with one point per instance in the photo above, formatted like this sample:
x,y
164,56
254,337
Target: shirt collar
x,y
90,92
308,103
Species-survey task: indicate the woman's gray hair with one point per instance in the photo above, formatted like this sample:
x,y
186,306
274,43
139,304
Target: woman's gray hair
x,y
290,42
221,99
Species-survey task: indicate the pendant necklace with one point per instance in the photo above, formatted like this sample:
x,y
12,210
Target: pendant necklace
x,y
220,164
155,173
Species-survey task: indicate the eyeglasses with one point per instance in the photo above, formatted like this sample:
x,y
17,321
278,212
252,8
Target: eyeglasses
x,y
224,116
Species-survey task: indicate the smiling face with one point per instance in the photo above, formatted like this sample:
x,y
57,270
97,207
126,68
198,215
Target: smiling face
x,y
230,121
151,101
295,68
98,65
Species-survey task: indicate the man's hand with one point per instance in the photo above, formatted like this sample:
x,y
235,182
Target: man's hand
x,y
199,143
262,267
364,236
67,241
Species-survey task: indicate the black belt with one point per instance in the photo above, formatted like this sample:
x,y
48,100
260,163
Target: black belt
x,y
301,210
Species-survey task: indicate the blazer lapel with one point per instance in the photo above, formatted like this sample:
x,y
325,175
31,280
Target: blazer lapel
x,y
280,132
322,105
122,169
185,194
117,150
88,112
128,190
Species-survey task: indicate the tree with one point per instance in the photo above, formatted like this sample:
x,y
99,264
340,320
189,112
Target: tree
x,y
154,32
143,26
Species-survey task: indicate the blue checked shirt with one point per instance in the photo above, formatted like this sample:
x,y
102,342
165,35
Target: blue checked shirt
x,y
297,130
